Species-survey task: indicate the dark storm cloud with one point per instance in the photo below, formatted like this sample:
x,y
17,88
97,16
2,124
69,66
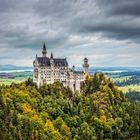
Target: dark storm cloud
x,y
112,29
104,16
133,10
116,19
90,26
120,7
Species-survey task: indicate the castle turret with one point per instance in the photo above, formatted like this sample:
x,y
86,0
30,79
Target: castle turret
x,y
51,55
85,66
44,51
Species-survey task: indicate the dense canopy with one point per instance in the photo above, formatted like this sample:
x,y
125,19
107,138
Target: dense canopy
x,y
53,112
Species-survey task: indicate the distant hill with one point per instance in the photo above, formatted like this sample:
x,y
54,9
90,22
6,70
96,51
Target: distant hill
x,y
93,69
14,67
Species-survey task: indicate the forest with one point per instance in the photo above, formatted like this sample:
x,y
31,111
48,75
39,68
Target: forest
x,y
52,112
133,78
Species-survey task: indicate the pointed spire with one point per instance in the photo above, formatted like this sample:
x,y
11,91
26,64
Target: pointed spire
x,y
51,55
44,47
44,51
36,55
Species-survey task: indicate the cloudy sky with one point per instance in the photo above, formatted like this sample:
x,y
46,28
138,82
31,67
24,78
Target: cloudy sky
x,y
105,31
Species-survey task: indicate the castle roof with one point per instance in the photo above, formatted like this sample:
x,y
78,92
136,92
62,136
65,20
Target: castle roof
x,y
60,61
45,61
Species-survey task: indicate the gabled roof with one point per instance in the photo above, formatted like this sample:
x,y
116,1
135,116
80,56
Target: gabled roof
x,y
60,62
45,61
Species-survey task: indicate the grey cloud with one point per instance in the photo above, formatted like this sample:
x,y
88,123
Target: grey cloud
x,y
16,6
54,8
132,10
120,7
63,8
68,26
110,23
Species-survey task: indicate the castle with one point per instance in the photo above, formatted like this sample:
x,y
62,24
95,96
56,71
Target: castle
x,y
49,70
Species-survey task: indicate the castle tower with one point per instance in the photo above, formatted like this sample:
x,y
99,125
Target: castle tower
x,y
44,51
52,66
85,66
51,60
51,55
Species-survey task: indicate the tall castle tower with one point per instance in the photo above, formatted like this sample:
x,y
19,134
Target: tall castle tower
x,y
85,66
44,51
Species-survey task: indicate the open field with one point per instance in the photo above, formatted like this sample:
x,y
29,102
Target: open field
x,y
17,77
130,87
7,81
127,80
120,79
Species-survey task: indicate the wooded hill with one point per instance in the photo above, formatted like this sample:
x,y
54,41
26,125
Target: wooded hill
x,y
53,112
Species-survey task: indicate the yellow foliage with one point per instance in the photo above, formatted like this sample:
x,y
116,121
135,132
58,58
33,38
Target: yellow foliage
x,y
26,108
35,118
103,119
87,77
56,136
49,126
65,131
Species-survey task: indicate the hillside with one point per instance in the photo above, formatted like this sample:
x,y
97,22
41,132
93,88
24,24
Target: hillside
x,y
53,112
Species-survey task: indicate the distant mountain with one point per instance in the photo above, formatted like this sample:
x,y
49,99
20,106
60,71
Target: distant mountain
x,y
121,69
91,69
110,69
14,67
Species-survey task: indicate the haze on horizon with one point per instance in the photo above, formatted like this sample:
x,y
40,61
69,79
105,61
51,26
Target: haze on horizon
x,y
105,31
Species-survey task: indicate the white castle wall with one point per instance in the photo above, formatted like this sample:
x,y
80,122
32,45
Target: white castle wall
x,y
52,73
